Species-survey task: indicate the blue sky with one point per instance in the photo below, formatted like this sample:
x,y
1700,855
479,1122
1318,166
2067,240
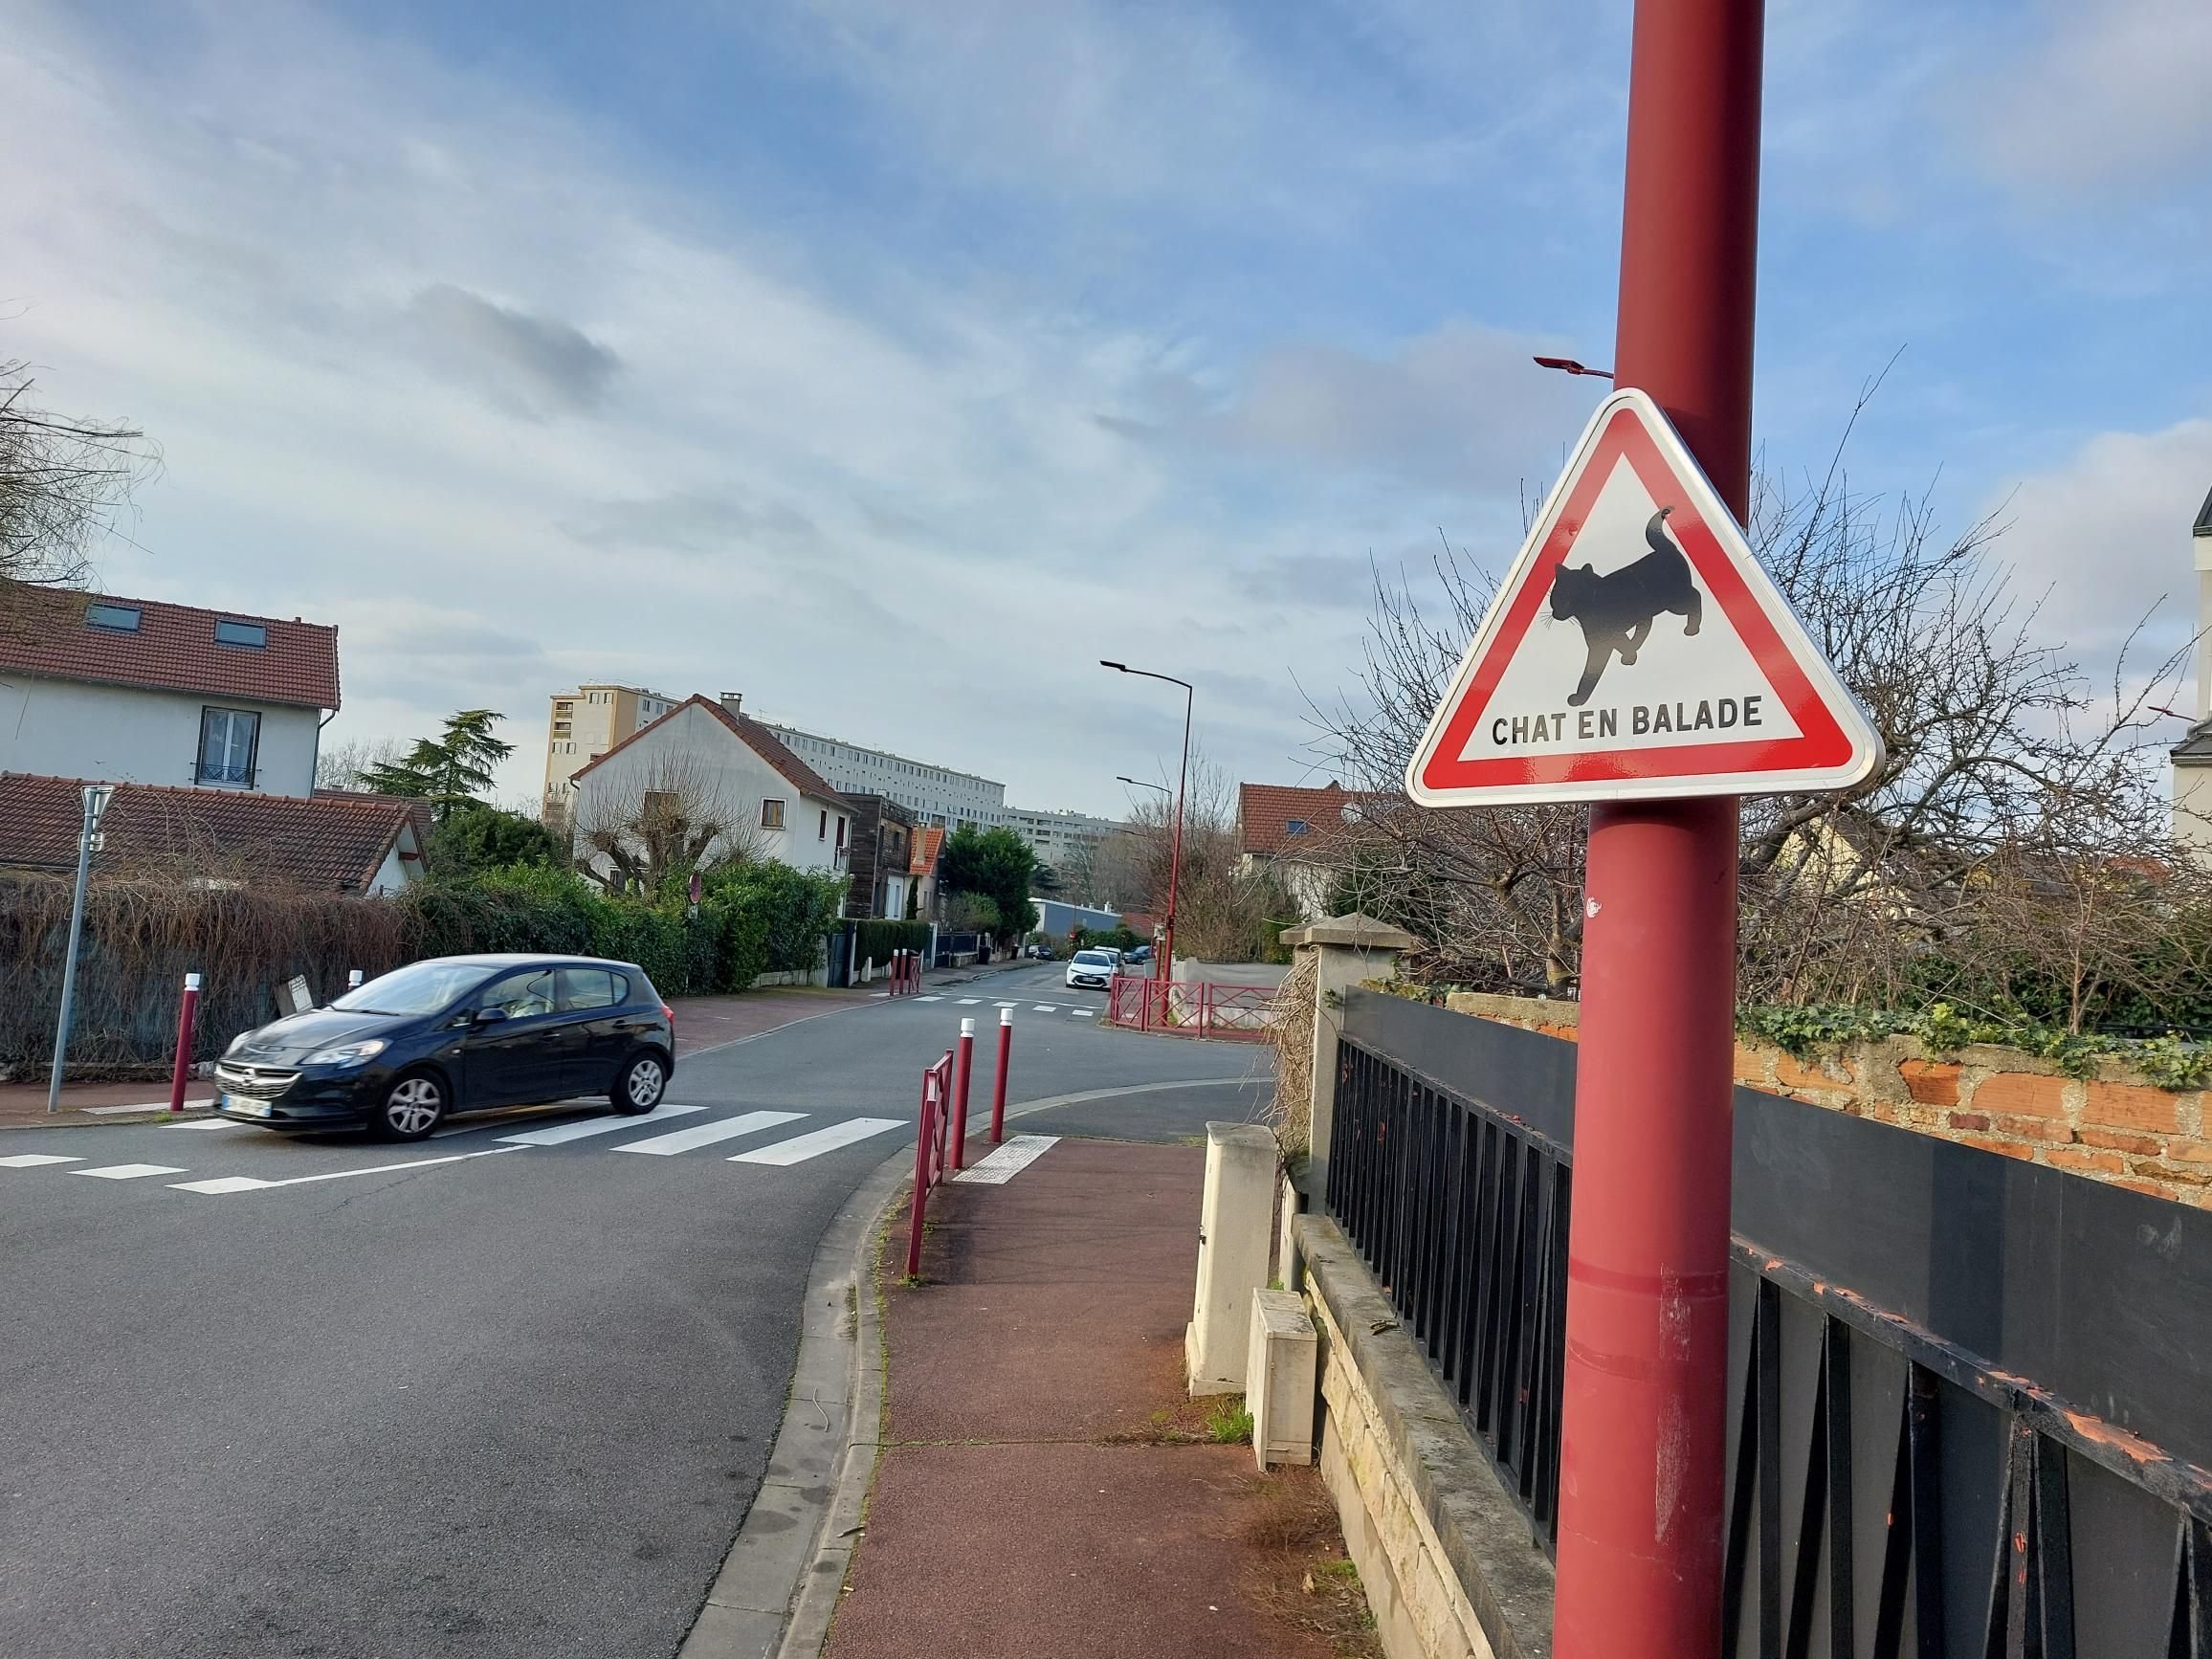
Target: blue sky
x,y
830,351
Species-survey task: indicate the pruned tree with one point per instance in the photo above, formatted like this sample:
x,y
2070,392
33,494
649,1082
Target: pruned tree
x,y
1228,909
672,817
345,765
63,481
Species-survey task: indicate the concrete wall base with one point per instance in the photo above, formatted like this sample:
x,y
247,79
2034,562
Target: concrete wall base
x,y
1449,1561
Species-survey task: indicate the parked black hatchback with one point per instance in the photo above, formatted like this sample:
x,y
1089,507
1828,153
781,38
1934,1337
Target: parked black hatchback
x,y
456,1033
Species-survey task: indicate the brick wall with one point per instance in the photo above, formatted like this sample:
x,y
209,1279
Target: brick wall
x,y
2114,1126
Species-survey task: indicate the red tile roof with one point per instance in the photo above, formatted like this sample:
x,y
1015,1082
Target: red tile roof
x,y
1266,811
44,632
928,841
754,734
322,843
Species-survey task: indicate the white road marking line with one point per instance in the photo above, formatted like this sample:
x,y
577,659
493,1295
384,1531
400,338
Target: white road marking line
x,y
970,1002
150,1106
562,1132
1009,1160
929,999
1046,1009
828,1138
1080,1013
129,1171
35,1159
879,993
250,1183
1009,1005
211,1124
707,1133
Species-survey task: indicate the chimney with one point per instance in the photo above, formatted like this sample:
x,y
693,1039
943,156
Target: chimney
x,y
733,704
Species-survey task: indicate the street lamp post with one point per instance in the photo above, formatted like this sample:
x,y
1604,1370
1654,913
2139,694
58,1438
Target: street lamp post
x,y
1182,778
1159,970
96,799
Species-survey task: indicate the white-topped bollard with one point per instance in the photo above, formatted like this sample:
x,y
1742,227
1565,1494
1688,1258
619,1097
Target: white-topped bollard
x,y
1235,1236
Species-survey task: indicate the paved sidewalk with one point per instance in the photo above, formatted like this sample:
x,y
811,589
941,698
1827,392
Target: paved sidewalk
x,y
700,1023
1044,1487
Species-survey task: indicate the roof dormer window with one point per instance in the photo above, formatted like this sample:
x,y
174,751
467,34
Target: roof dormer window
x,y
247,635
115,618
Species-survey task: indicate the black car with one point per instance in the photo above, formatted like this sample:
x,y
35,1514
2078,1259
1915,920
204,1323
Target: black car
x,y
453,1034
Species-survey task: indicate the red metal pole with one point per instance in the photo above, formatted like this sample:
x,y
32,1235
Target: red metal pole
x,y
183,1070
1640,1547
999,1086
959,1094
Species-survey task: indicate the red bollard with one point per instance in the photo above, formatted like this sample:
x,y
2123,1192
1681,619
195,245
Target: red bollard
x,y
185,1010
999,1088
959,1094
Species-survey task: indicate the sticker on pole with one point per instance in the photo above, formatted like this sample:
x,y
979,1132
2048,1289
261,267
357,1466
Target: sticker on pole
x,y
1636,648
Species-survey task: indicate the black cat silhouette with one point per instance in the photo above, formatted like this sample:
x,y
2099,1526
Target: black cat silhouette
x,y
1618,608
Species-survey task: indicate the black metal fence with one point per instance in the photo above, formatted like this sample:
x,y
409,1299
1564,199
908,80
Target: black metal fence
x,y
1970,1398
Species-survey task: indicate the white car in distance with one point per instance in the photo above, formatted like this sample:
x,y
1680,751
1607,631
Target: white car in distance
x,y
1091,967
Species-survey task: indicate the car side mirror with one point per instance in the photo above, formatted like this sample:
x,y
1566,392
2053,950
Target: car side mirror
x,y
488,1016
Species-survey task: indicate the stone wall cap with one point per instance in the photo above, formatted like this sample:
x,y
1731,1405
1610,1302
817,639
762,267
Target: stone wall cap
x,y
1359,930
1249,1135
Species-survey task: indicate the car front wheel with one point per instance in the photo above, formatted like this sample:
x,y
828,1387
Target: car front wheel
x,y
639,1088
411,1109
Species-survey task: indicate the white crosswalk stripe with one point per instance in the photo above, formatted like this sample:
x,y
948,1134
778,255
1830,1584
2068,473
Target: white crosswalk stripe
x,y
35,1159
970,1002
129,1171
929,999
1046,1009
707,1133
1080,1013
813,1144
560,1134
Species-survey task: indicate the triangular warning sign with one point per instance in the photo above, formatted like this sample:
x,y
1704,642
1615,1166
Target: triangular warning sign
x,y
1636,648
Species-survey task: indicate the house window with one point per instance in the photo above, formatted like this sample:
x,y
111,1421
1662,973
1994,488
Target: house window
x,y
661,808
1296,827
822,829
772,814
227,741
252,636
116,618
840,834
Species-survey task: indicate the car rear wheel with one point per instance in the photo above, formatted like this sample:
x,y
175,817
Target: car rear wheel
x,y
411,1108
640,1085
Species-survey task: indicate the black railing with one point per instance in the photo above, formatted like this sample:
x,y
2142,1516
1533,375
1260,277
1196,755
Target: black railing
x,y
1967,1414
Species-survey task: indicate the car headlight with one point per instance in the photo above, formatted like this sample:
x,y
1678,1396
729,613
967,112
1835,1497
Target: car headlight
x,y
347,1054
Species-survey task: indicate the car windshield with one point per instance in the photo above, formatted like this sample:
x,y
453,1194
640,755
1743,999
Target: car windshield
x,y
1093,959
421,987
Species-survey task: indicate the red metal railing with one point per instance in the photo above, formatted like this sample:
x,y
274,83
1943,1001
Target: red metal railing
x,y
1192,1008
929,1153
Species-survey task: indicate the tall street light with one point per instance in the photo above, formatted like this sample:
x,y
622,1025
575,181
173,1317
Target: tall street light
x,y
1182,778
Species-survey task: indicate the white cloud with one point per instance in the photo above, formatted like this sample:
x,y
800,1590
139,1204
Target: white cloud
x,y
433,363
2100,93
2106,535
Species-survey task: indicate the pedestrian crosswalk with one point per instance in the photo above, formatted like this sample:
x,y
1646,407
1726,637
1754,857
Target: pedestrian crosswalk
x,y
609,1132
1071,1010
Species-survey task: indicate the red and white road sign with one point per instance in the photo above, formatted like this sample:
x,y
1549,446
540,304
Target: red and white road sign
x,y
1636,648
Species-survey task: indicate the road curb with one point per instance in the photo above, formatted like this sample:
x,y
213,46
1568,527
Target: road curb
x,y
780,1583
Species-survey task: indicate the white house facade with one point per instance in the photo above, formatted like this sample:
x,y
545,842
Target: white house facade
x,y
129,691
717,761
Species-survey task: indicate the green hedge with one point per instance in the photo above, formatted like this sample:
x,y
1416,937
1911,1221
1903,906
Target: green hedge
x,y
878,938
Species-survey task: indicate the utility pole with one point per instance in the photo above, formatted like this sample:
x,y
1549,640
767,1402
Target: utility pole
x,y
96,799
1640,1540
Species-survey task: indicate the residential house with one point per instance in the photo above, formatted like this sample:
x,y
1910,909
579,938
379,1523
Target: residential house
x,y
880,858
707,761
2193,757
584,724
358,844
135,690
922,892
1304,836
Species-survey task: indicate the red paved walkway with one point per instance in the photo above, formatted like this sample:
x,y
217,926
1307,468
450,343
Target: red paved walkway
x,y
1039,1493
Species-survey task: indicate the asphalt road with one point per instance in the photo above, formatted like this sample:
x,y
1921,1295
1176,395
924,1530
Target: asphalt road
x,y
282,1398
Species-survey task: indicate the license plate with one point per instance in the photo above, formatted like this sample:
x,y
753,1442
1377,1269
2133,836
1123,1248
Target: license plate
x,y
250,1108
